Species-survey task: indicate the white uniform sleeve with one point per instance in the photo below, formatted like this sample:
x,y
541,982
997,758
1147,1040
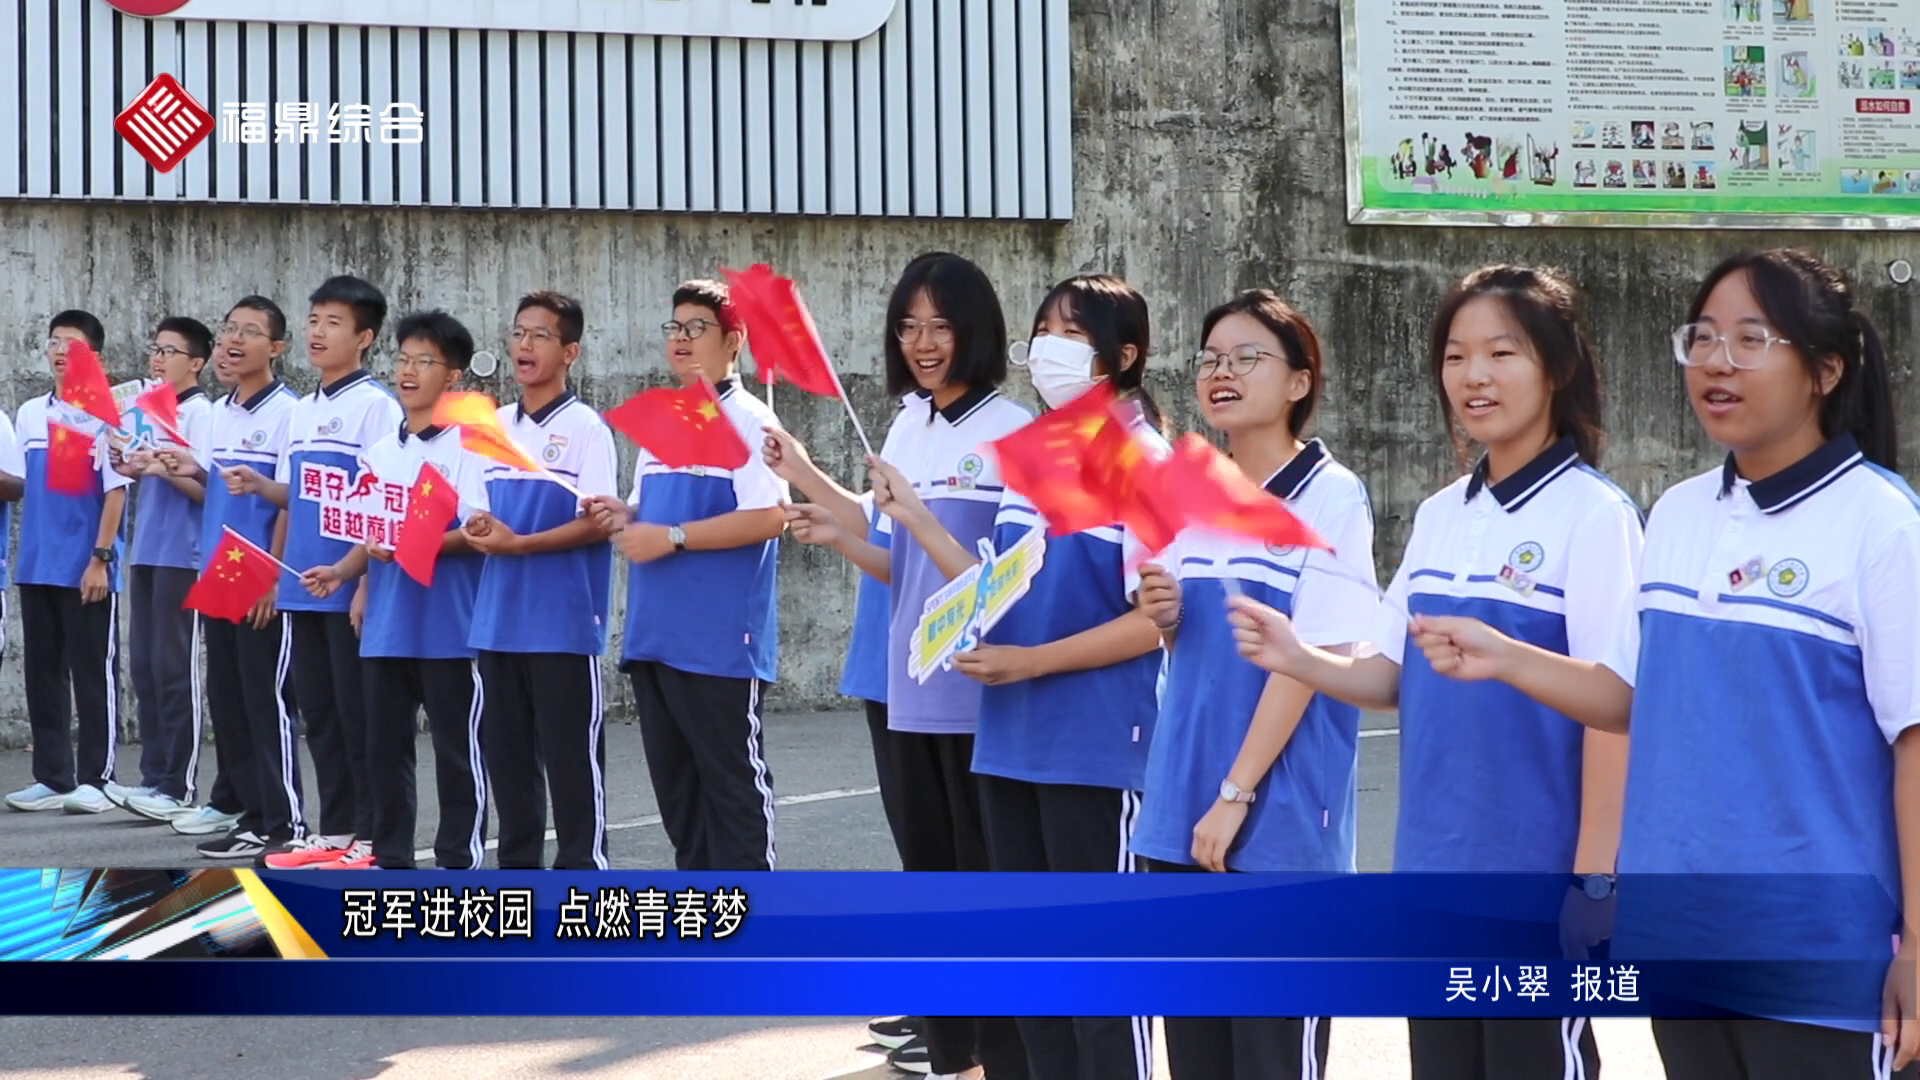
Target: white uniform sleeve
x,y
196,422
1603,589
1337,600
111,479
470,482
599,469
1889,634
203,444
755,487
283,465
1390,624
889,451
12,461
640,461
380,419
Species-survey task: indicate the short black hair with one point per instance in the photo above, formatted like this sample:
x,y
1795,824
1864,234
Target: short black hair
x,y
713,296
963,295
276,319
199,338
573,321
445,332
369,305
83,321
1297,337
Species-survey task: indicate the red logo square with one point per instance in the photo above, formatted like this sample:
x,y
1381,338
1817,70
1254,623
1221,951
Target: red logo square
x,y
164,123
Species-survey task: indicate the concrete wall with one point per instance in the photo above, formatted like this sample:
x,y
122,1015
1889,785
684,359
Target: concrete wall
x,y
1208,158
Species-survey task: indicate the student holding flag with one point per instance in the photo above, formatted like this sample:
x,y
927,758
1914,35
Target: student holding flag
x,y
540,615
1067,708
69,574
947,346
163,558
249,658
1496,772
701,531
420,588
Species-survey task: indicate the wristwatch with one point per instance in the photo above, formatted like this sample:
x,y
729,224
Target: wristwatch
x,y
1596,886
1230,792
105,555
678,536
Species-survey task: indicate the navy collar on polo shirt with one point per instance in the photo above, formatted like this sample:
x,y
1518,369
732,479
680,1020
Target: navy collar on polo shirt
x,y
959,408
425,434
337,386
723,387
1292,478
1798,480
183,396
260,397
1515,491
541,414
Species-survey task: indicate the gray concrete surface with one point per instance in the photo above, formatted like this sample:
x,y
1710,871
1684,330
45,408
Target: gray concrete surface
x,y
830,820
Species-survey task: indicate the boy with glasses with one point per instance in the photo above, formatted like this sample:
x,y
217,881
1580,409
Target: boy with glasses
x,y
163,560
68,575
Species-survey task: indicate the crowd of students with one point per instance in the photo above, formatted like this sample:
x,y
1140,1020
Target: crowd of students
x,y
1195,712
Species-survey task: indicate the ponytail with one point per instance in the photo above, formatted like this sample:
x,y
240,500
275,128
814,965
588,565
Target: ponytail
x,y
1862,403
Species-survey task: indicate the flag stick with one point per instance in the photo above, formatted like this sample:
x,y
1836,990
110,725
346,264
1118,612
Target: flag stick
x,y
851,415
228,529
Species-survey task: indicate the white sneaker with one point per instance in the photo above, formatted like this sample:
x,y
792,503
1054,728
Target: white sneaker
x,y
35,798
203,821
158,807
86,799
118,795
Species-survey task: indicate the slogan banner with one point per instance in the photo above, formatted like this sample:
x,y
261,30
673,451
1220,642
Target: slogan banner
x,y
959,615
368,510
141,432
1738,113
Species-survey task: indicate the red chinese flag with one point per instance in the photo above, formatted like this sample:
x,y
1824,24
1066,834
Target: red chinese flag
x,y
780,330
235,579
161,404
1117,467
1046,462
1204,488
71,469
84,384
478,419
682,427
432,504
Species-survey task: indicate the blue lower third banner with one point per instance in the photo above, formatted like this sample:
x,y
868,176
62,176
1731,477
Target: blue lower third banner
x,y
793,943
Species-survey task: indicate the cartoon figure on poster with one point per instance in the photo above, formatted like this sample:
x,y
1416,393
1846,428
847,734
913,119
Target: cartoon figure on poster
x,y
1910,75
1750,145
1796,75
1852,76
1746,71
958,616
1616,175
1671,138
1583,173
1543,168
1477,154
1676,175
1793,11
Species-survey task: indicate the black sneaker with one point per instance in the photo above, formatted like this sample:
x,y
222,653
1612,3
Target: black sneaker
x,y
893,1032
912,1056
234,845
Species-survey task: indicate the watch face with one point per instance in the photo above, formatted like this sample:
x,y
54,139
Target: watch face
x,y
1598,888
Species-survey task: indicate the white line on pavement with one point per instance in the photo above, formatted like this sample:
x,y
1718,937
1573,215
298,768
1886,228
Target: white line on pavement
x,y
426,854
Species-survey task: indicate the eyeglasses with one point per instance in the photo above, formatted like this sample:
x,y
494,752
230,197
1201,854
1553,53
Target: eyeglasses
x,y
1697,344
244,333
909,330
538,335
1238,360
405,362
690,329
166,352
59,344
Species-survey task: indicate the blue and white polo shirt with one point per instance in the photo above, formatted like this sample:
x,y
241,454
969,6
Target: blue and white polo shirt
x,y
166,523
328,433
405,619
57,530
865,674
251,432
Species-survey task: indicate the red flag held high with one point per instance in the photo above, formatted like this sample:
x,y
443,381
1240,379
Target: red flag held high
x,y
161,404
1203,488
1045,461
236,577
780,330
71,468
683,427
84,384
432,504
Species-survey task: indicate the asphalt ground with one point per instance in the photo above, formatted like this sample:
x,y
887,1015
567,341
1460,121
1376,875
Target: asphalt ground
x,y
829,818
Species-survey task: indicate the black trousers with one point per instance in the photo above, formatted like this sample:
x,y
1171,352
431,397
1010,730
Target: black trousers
x,y
1449,1048
1749,1048
164,651
451,693
941,831
333,702
890,795
542,731
247,674
1245,1047
1071,829
707,759
72,673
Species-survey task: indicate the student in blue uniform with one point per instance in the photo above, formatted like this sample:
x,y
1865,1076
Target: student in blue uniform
x,y
1779,687
1496,772
705,542
1250,771
249,662
413,638
328,434
540,616
947,346
69,578
163,560
1067,705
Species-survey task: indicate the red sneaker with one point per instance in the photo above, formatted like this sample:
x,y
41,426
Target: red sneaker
x,y
310,852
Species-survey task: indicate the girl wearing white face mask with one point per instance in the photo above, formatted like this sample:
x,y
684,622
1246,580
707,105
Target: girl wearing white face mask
x,y
1068,703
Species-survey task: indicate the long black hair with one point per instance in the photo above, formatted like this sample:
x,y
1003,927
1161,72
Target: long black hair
x,y
963,295
1114,315
1546,308
1812,307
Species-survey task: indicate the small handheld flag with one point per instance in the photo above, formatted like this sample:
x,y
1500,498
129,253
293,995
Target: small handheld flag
x,y
432,504
478,419
784,340
682,427
238,574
